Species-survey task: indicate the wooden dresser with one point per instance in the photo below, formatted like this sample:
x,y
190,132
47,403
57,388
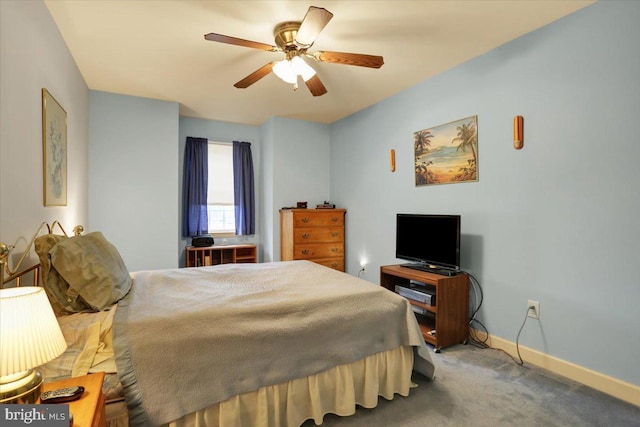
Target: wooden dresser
x,y
313,234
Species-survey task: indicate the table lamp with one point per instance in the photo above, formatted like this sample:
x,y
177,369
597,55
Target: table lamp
x,y
29,337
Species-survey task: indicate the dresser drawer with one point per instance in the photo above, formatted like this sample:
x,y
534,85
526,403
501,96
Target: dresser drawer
x,y
335,263
318,219
318,251
318,235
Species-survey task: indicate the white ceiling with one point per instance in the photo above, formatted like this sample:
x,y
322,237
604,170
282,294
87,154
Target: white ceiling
x,y
156,49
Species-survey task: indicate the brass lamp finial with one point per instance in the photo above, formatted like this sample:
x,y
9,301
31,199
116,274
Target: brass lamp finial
x,y
4,251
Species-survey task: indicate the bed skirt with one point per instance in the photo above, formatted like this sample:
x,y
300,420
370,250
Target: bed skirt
x,y
117,414
337,390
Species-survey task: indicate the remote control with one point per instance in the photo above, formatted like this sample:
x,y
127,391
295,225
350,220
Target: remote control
x,y
62,395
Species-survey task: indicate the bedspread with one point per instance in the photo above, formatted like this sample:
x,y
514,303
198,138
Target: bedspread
x,y
198,336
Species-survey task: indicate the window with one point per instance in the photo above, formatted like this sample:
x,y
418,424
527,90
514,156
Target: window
x,y
220,197
229,167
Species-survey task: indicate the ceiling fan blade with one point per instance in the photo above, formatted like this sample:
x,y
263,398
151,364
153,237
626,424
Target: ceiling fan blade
x,y
239,42
371,61
315,86
314,21
255,76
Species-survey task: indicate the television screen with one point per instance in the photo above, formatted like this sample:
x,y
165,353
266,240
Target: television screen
x,y
431,240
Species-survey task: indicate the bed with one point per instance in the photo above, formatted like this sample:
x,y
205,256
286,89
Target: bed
x,y
270,344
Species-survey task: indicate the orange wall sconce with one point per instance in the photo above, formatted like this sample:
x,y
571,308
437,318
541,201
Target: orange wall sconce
x,y
518,132
392,160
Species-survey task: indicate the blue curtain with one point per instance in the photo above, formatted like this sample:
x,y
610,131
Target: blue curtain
x,y
243,188
194,191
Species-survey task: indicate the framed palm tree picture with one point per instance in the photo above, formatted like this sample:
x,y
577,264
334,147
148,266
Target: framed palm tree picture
x,y
447,153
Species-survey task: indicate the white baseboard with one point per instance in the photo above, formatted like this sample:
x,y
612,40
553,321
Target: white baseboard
x,y
604,383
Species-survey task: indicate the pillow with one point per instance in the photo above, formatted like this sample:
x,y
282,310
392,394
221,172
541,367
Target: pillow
x,y
95,273
42,246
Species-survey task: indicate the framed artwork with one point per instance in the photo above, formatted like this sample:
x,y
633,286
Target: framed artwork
x,y
54,151
447,153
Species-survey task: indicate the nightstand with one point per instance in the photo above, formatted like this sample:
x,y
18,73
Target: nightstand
x,y
88,411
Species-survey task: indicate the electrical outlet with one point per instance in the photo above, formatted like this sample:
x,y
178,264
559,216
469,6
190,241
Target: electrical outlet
x,y
363,268
533,308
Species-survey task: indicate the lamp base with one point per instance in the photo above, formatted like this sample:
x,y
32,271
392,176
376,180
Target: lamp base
x,y
21,388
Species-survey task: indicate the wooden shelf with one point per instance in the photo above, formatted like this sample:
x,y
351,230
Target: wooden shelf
x,y
449,317
425,329
431,308
221,254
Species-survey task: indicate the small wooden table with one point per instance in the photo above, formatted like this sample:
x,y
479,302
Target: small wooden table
x,y
89,410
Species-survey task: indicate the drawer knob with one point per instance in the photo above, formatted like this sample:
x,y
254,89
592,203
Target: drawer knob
x,y
304,219
334,264
334,249
305,252
305,235
335,219
335,234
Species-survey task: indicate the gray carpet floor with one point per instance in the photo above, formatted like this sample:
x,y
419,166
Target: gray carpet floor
x,y
485,387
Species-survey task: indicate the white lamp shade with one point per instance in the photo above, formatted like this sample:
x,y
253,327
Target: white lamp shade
x,y
288,70
302,68
29,332
284,70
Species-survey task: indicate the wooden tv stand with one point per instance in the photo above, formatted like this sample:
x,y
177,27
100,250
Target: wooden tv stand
x,y
445,323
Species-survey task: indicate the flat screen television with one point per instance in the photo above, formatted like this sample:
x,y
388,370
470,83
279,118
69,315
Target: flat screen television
x,y
430,241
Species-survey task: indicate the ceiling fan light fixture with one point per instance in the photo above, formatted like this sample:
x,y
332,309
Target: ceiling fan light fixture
x,y
294,38
289,70
284,70
302,68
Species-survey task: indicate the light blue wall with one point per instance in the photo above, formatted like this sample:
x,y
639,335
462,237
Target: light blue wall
x,y
222,132
268,220
295,168
298,172
133,170
34,56
555,222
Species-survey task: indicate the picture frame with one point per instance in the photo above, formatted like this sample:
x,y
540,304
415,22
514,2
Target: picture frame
x,y
54,151
447,153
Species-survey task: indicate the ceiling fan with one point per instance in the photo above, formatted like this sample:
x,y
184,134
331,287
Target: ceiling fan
x,y
293,38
